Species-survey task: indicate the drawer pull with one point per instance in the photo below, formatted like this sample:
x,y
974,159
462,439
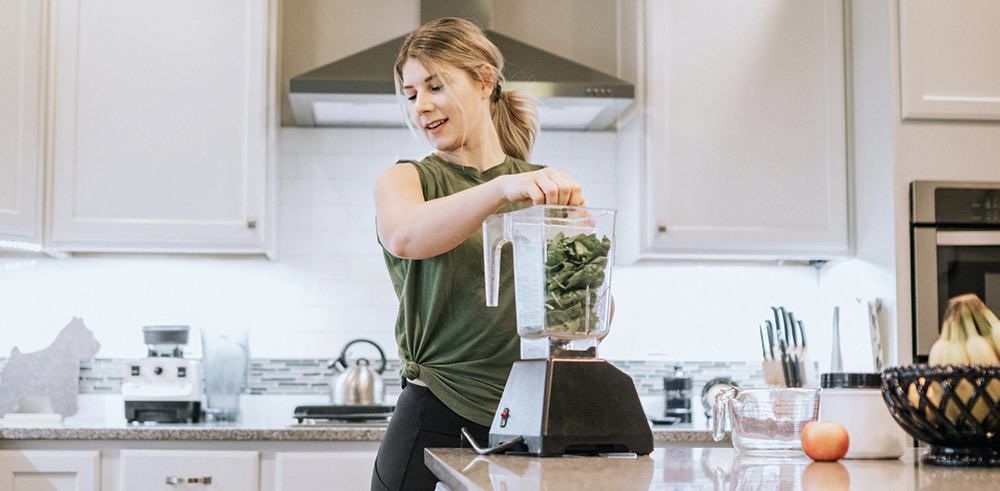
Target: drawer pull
x,y
175,480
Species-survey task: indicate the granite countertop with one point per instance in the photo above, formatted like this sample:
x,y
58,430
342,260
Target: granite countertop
x,y
697,468
681,434
197,432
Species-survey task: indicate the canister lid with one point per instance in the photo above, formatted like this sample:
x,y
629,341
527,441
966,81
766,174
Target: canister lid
x,y
851,380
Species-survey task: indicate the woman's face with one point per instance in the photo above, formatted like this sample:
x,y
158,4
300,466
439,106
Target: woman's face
x,y
448,106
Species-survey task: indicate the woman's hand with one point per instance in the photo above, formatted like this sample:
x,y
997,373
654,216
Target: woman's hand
x,y
541,187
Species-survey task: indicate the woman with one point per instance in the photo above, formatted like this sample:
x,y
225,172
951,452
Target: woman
x,y
456,353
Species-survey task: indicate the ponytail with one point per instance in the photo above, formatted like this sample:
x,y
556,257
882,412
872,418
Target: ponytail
x,y
516,120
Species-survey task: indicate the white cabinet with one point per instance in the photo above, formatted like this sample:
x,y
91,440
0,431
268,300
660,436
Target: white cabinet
x,y
745,152
161,125
949,68
187,469
49,470
22,41
295,471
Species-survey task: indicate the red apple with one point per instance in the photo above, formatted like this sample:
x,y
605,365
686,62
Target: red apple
x,y
826,476
824,441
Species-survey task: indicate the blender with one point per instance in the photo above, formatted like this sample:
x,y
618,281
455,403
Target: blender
x,y
561,397
164,387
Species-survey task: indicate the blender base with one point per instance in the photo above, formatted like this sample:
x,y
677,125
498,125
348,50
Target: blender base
x,y
562,406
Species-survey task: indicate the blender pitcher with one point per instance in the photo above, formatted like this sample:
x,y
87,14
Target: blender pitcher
x,y
562,274
560,397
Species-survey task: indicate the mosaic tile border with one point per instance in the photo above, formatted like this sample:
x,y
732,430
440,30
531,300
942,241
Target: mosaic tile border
x,y
311,376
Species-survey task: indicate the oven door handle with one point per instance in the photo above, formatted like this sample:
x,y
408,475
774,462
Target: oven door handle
x,y
968,237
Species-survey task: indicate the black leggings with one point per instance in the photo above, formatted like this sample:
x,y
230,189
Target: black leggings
x,y
419,421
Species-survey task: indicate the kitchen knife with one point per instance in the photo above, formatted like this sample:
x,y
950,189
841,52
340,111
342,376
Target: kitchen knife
x,y
836,359
777,322
784,363
790,325
784,326
875,334
802,334
770,337
795,368
763,346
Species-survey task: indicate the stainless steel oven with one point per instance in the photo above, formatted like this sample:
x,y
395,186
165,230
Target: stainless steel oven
x,y
955,249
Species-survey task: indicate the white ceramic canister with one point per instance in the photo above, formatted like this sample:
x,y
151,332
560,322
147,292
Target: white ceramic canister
x,y
855,401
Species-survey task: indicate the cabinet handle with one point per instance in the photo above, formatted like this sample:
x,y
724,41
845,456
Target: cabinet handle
x,y
252,222
175,480
661,228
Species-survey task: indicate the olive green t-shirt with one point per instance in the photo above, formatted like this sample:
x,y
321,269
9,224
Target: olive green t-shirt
x,y
447,336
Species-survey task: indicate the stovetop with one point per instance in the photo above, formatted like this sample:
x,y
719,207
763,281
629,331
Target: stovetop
x,y
313,423
342,414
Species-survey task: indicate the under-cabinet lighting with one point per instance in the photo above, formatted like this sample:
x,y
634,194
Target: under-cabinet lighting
x,y
20,246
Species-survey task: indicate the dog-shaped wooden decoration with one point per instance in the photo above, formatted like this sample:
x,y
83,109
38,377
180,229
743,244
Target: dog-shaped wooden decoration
x,y
53,372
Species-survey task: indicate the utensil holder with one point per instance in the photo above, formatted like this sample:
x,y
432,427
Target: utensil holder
x,y
773,375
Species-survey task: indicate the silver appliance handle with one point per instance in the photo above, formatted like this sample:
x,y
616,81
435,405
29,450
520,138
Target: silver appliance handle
x,y
500,447
925,289
968,237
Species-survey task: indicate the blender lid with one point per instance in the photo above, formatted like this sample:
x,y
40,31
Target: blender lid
x,y
166,334
550,213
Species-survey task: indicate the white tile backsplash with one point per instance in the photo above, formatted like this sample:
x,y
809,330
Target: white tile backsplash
x,y
329,283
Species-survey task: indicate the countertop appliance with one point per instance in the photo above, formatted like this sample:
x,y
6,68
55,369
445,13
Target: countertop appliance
x,y
560,397
164,387
955,249
677,395
359,90
359,384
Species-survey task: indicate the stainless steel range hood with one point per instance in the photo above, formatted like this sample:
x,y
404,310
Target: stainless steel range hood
x,y
358,90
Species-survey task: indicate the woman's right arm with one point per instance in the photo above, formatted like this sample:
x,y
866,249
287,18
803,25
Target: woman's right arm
x,y
412,228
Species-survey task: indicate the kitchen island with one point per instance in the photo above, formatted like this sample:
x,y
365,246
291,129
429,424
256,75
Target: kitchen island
x,y
697,468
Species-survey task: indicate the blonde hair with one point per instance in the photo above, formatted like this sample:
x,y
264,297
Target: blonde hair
x,y
463,45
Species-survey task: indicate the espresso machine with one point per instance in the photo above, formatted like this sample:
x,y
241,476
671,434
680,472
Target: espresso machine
x,y
164,387
561,397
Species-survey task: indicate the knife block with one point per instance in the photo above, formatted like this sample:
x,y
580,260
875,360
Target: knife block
x,y
774,376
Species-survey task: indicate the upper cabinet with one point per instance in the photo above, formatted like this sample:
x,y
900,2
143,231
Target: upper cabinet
x,y
160,124
745,147
948,59
22,43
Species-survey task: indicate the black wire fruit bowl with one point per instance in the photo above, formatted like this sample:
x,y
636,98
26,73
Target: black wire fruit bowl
x,y
953,408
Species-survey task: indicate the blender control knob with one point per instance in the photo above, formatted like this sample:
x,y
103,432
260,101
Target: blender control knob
x,y
158,370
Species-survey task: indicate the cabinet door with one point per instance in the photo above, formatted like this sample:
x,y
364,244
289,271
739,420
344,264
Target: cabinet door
x,y
949,68
296,471
22,37
161,120
746,140
44,470
183,469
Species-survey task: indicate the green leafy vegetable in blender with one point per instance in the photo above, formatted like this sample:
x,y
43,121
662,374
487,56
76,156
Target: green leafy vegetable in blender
x,y
575,270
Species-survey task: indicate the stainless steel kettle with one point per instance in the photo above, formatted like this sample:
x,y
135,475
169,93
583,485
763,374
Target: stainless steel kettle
x,y
359,384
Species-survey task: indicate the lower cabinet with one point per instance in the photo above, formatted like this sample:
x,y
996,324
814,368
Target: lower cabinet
x,y
189,469
122,465
295,471
50,470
